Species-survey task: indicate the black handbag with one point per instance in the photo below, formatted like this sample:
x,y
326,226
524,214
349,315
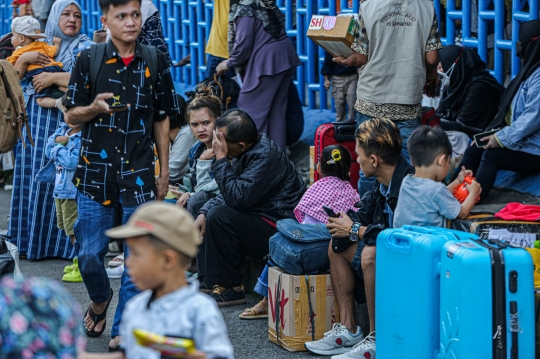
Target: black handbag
x,y
7,263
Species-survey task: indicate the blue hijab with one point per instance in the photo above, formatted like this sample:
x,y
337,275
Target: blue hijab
x,y
66,55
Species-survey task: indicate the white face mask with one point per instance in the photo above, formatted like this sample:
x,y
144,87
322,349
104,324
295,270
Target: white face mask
x,y
445,79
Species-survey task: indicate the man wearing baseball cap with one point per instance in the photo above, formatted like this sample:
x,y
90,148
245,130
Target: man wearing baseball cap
x,y
26,31
163,240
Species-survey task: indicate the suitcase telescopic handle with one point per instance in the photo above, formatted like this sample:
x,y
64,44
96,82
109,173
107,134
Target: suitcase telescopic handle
x,y
399,242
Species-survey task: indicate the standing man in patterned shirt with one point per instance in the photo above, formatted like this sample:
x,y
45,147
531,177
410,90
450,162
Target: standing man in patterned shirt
x,y
116,164
397,46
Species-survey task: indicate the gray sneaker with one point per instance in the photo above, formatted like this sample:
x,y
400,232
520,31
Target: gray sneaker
x,y
363,350
338,340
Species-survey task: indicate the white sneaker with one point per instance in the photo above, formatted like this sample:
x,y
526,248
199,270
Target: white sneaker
x,y
115,272
338,340
363,350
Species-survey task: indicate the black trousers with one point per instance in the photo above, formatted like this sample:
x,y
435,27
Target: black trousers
x,y
486,163
230,236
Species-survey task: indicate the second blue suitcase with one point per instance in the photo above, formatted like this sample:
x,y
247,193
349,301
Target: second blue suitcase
x,y
487,301
407,290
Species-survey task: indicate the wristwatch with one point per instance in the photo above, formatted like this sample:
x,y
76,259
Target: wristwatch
x,y
353,232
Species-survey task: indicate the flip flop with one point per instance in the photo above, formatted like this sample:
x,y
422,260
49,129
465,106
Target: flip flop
x,y
256,312
96,318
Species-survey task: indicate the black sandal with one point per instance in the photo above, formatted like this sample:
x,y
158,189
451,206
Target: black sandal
x,y
96,318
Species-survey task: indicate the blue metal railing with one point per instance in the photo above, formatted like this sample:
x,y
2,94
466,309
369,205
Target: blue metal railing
x,y
187,23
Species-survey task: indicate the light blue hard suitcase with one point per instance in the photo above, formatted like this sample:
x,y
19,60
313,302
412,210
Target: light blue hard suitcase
x,y
407,290
487,301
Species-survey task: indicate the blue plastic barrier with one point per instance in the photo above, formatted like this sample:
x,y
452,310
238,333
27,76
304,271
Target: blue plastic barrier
x,y
187,25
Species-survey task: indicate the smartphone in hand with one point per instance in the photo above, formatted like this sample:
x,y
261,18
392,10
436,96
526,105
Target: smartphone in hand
x,y
330,212
479,136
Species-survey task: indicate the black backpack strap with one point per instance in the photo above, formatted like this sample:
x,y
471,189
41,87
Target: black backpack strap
x,y
151,58
97,54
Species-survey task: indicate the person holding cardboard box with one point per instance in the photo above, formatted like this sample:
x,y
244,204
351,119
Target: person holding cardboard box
x,y
393,78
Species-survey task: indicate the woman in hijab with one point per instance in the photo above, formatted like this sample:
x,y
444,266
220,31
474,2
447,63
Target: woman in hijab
x,y
516,144
33,218
471,99
38,319
265,58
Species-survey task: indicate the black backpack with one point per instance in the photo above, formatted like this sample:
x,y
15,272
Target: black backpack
x,y
6,47
97,56
222,86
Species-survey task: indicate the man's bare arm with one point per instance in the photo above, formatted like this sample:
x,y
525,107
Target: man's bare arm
x,y
82,114
161,135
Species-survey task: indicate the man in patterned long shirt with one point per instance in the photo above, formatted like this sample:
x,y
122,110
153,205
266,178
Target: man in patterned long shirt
x,y
123,113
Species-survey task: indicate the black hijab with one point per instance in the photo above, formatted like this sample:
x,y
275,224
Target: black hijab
x,y
469,68
529,34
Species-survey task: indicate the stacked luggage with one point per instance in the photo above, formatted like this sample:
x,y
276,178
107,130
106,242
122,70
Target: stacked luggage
x,y
448,294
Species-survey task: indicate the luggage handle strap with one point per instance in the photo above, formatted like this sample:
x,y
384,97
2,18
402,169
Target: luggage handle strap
x,y
278,299
220,87
311,314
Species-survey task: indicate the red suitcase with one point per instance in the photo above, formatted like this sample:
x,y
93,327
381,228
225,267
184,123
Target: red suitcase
x,y
326,135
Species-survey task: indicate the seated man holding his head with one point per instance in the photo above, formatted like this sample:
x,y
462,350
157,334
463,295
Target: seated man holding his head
x,y
258,186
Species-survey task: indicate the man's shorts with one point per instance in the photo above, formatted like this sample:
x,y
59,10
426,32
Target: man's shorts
x,y
66,213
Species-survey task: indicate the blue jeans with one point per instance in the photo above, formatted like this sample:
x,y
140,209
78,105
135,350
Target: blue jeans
x,y
92,246
262,283
406,128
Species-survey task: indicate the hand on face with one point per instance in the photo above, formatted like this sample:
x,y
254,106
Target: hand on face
x,y
219,145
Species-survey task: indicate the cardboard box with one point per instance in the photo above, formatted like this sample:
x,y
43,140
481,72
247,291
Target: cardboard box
x,y
335,34
290,312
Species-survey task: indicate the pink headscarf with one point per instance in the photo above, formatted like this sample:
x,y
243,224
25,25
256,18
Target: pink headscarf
x,y
328,191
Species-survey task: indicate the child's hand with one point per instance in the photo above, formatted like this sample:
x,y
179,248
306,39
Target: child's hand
x,y
176,191
182,201
474,189
464,173
326,82
60,139
56,40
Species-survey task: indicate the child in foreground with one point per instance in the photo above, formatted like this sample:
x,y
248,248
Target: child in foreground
x,y
26,32
423,199
163,241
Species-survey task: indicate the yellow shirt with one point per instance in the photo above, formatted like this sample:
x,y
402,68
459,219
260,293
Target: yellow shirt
x,y
217,41
38,46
